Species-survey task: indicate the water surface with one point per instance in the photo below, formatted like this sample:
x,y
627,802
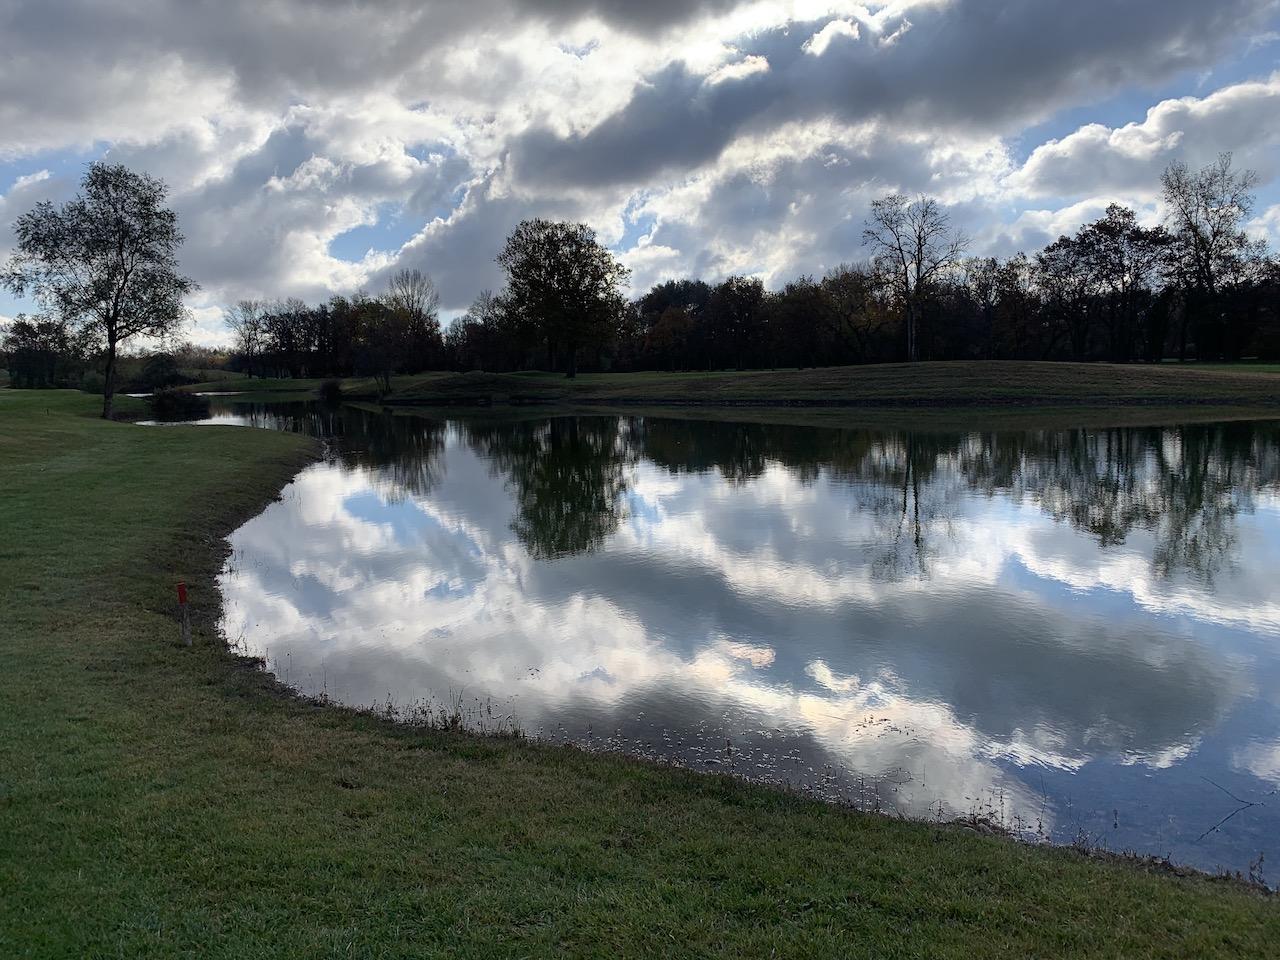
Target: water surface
x,y
1075,633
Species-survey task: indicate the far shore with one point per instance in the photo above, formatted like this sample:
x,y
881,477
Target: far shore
x,y
937,395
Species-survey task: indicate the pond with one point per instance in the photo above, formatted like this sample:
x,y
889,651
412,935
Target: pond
x,y
1073,633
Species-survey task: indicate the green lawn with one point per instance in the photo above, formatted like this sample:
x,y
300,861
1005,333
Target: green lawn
x,y
938,385
1242,367
162,801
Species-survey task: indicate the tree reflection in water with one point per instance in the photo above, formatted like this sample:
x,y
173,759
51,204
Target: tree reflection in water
x,y
973,609
1185,485
568,475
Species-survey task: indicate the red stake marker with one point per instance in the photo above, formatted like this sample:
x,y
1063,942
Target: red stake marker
x,y
182,593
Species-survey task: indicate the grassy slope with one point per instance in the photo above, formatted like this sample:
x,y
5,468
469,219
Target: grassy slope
x,y
940,385
156,800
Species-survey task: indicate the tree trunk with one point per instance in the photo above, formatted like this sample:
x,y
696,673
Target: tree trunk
x,y
1186,318
109,386
572,364
911,333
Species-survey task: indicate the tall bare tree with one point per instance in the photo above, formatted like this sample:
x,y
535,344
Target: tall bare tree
x,y
1206,210
247,320
412,295
914,244
105,262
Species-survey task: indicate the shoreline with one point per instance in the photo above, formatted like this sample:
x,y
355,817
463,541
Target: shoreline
x,y
981,825
288,771
964,395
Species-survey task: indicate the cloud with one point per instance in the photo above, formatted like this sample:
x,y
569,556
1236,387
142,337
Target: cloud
x,y
818,43
313,146
25,192
1239,118
1266,226
964,67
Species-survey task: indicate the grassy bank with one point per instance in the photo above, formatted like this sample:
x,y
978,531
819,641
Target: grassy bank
x,y
984,385
158,801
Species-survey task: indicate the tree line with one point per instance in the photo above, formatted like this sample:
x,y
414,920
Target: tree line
x,y
1194,287
104,270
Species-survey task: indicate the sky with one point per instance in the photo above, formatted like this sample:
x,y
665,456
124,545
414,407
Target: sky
x,y
315,147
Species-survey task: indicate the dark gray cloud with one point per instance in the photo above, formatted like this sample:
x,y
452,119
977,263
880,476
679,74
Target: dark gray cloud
x,y
460,253
281,126
646,16
298,48
979,65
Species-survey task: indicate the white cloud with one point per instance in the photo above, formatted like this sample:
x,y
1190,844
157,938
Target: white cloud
x,y
740,70
836,29
1262,759
1096,158
1266,226
752,133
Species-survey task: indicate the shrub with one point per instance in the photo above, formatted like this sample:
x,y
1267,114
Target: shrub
x,y
170,404
158,371
331,391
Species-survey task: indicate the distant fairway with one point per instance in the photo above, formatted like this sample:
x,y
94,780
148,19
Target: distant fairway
x,y
953,394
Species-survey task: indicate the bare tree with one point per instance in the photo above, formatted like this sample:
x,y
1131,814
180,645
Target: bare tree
x,y
105,262
1206,210
914,244
413,296
247,320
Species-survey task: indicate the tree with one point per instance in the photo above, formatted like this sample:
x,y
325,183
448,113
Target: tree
x,y
485,337
105,262
379,335
39,352
1066,283
412,295
673,315
1019,326
855,315
913,243
1205,212
735,316
1124,261
247,320
562,283
667,340
796,321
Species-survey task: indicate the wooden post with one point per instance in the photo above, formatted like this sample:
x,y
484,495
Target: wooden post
x,y
185,612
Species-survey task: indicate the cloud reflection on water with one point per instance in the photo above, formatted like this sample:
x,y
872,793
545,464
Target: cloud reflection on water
x,y
940,614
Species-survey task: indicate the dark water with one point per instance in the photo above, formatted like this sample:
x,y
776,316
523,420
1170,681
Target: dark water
x,y
1075,633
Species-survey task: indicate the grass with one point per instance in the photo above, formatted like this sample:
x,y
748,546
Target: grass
x,y
986,385
1242,367
162,801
